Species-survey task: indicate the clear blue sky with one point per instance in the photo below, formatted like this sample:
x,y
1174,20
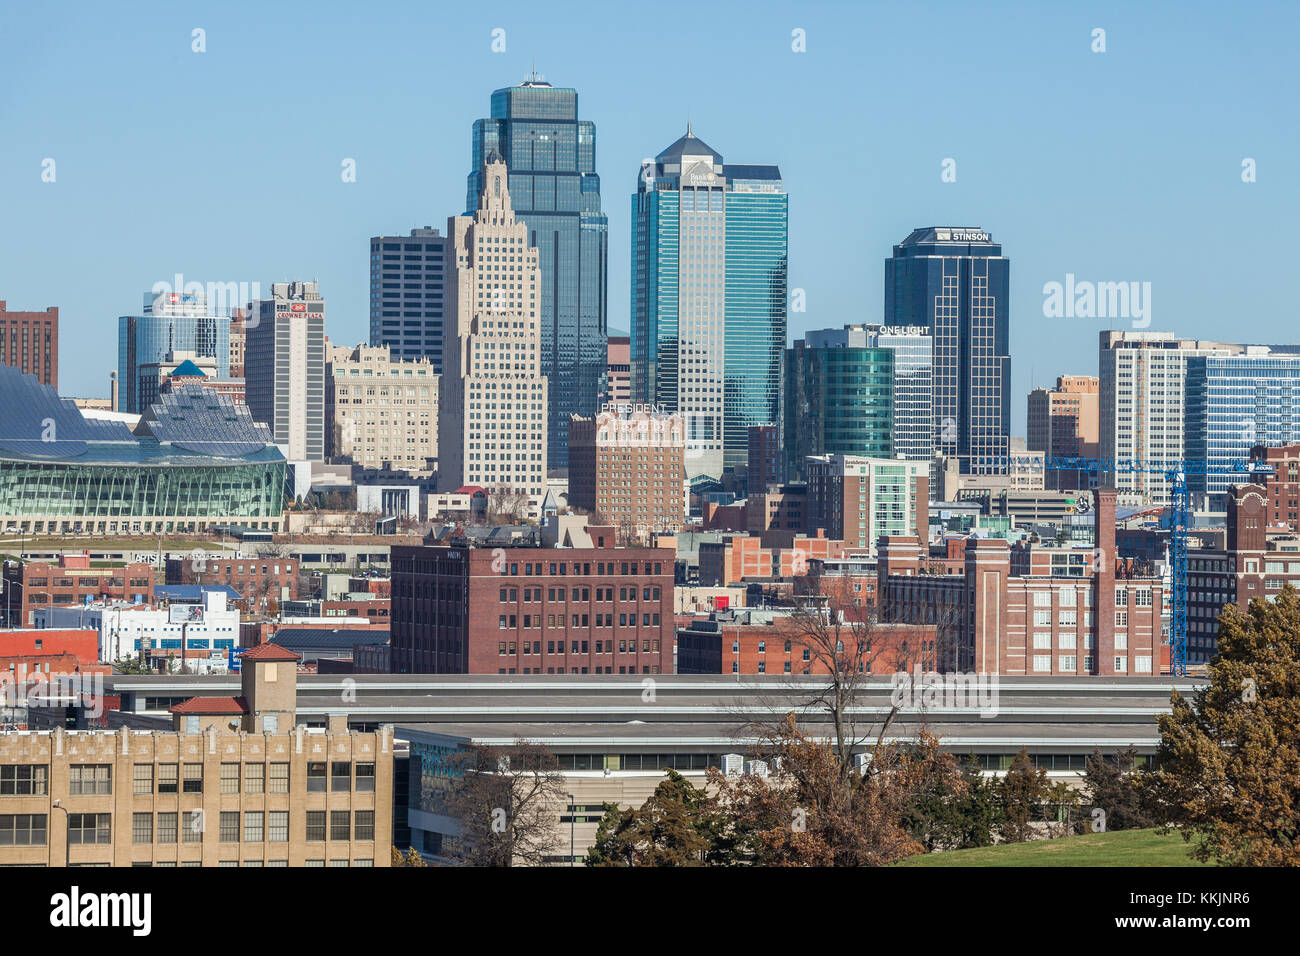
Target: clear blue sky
x,y
225,166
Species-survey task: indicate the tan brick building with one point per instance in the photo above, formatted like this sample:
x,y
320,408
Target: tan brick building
x,y
379,411
235,783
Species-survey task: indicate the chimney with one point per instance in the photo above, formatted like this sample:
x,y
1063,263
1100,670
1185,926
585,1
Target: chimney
x,y
1103,563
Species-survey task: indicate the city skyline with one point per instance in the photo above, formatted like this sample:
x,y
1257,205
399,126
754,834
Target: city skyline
x,y
1120,188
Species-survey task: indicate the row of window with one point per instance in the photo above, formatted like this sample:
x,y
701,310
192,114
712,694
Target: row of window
x,y
510,621
511,595
602,647
167,778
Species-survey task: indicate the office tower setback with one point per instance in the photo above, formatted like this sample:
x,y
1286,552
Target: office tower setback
x,y
381,412
284,368
1062,423
1141,407
492,429
709,260
551,155
30,341
1235,402
956,282
171,322
407,294
626,468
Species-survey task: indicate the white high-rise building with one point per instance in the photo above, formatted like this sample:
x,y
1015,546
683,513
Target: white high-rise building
x,y
1141,408
284,368
492,412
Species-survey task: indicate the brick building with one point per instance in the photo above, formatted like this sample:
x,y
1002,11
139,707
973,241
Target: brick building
x,y
764,459
763,642
782,509
69,582
1281,482
1260,557
626,468
30,341
738,557
524,610
255,579
45,653
1031,609
265,793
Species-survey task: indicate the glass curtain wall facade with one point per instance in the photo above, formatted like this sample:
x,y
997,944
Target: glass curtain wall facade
x,y
709,271
180,327
551,156
956,282
1234,403
838,401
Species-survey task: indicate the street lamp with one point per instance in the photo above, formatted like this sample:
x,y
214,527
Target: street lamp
x,y
67,834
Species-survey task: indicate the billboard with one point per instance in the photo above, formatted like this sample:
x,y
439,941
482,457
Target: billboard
x,y
185,613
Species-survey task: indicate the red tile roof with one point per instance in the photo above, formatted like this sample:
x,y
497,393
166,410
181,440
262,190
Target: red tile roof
x,y
212,705
269,652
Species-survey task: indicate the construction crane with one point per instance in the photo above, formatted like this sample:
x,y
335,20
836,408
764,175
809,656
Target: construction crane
x,y
1175,473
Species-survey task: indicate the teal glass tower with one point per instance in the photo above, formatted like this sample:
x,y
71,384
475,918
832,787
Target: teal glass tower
x,y
709,266
551,158
838,401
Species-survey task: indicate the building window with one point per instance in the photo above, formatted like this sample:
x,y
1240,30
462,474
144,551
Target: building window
x,y
341,777
143,783
22,829
195,824
24,780
86,828
90,779
365,778
340,825
192,778
278,827
365,825
1042,663
167,828
315,778
316,826
229,826
254,777
168,778
230,778
142,828
253,826
279,778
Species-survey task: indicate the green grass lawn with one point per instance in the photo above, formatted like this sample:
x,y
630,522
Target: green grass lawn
x,y
1122,848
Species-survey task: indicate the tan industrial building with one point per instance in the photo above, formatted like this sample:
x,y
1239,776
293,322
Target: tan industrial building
x,y
234,783
381,413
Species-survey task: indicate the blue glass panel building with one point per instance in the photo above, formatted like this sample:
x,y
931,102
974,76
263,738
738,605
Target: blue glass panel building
x,y
551,156
955,281
1234,402
195,461
172,322
709,269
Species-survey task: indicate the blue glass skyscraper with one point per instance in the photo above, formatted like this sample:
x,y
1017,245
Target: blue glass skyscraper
x,y
172,322
551,158
709,266
1234,402
956,282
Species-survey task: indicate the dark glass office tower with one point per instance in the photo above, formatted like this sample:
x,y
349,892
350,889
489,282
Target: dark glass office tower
x,y
551,156
956,282
407,289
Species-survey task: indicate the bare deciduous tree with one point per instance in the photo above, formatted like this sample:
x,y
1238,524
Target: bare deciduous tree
x,y
507,800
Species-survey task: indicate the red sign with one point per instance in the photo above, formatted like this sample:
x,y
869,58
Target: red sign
x,y
299,306
721,602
